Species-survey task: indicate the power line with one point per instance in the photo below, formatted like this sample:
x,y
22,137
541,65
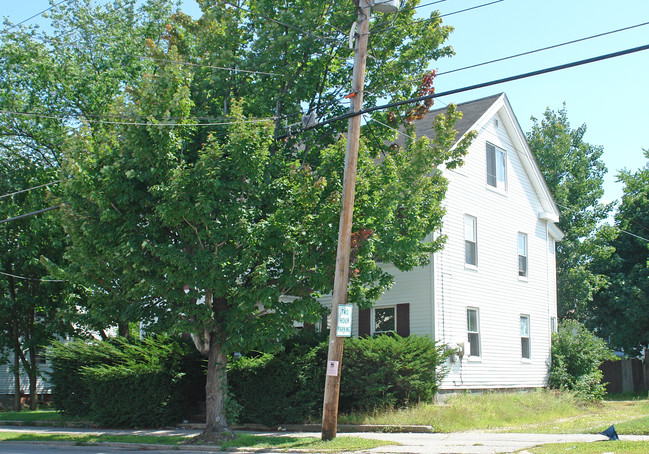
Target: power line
x,y
31,278
205,66
474,87
110,122
32,17
283,24
469,9
544,48
29,189
15,218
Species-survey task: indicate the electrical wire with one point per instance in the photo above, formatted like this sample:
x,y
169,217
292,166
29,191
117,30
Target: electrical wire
x,y
143,57
474,87
31,278
32,17
29,189
15,218
98,119
469,9
283,24
544,48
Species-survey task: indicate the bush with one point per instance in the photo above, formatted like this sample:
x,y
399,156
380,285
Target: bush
x,y
71,394
576,356
148,383
288,387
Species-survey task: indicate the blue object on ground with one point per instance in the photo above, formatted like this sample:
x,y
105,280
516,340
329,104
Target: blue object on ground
x,y
610,433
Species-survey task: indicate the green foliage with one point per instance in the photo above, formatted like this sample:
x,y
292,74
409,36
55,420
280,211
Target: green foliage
x,y
71,393
378,373
576,357
148,383
156,203
574,173
621,310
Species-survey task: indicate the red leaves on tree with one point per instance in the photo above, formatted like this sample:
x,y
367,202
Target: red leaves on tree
x,y
419,110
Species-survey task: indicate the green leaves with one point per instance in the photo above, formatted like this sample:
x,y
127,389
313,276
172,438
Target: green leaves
x,y
574,172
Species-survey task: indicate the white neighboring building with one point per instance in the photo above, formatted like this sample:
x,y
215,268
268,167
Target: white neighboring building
x,y
492,290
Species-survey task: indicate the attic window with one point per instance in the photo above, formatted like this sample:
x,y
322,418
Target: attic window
x,y
496,122
496,168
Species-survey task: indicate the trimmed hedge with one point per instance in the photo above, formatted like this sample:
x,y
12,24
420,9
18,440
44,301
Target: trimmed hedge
x,y
288,387
148,383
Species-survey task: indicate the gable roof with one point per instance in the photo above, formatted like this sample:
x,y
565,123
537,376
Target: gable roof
x,y
478,112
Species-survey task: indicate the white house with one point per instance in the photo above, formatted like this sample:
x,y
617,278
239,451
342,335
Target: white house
x,y
492,290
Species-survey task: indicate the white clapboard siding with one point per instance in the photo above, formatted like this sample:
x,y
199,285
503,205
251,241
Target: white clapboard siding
x,y
494,287
7,381
440,293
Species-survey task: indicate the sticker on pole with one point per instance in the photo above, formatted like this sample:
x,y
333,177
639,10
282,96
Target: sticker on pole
x,y
344,328
332,368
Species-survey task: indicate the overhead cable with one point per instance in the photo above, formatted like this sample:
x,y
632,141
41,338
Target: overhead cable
x,y
283,24
126,123
143,57
32,17
31,278
544,48
472,87
469,9
15,218
29,189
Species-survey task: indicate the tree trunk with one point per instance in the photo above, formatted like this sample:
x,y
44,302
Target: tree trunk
x,y
122,329
33,380
16,370
216,390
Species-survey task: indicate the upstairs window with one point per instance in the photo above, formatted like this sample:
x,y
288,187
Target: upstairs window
x,y
496,167
522,255
470,240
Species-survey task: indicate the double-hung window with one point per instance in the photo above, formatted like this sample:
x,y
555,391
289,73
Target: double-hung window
x,y
473,331
470,240
522,255
496,167
525,336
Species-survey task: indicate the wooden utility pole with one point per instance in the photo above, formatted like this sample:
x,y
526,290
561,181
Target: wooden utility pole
x,y
335,355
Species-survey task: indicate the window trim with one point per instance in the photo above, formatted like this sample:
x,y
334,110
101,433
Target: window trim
x,y
527,337
476,333
474,228
526,271
493,179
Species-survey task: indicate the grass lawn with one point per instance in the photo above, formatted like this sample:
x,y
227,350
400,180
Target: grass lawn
x,y
539,411
248,441
604,447
30,416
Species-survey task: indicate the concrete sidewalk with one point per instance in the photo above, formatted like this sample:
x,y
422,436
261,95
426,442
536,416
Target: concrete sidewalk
x,y
419,443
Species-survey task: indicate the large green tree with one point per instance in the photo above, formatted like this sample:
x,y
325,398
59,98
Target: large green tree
x,y
574,172
172,183
33,306
54,82
620,311
194,192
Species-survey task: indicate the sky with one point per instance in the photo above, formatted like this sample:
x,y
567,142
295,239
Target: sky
x,y
610,97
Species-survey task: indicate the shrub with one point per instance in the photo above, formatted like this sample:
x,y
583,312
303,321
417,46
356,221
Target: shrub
x,y
576,356
148,383
288,386
71,394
